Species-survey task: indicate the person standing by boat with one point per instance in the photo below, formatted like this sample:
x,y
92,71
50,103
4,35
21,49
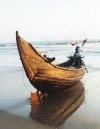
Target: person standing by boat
x,y
77,59
77,49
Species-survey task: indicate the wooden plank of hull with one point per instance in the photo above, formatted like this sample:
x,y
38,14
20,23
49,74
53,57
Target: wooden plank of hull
x,y
54,86
37,67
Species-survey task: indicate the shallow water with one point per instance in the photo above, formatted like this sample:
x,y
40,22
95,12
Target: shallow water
x,y
15,102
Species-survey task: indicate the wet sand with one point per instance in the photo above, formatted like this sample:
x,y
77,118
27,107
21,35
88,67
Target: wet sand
x,y
15,105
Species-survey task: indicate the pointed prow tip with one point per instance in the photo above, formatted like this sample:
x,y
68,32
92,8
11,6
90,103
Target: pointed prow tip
x,y
17,33
17,37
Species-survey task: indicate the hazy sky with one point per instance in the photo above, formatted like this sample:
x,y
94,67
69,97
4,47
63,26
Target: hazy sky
x,y
38,20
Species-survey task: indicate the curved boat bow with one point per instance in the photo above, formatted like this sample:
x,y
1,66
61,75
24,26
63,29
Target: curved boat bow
x,y
44,76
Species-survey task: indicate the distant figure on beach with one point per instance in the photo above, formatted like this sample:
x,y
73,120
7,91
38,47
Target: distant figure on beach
x,y
49,59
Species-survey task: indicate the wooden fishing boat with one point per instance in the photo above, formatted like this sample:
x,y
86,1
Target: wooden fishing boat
x,y
44,76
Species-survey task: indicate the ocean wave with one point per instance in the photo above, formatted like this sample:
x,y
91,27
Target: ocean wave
x,y
8,45
9,56
2,45
92,52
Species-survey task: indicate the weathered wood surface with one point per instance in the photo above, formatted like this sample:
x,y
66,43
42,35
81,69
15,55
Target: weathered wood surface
x,y
39,70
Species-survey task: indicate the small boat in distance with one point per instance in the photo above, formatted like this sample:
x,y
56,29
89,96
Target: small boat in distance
x,y
43,75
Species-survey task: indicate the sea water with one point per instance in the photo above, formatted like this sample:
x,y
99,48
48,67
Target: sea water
x,y
61,50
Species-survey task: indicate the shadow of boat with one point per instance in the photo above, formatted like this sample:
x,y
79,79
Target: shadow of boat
x,y
56,108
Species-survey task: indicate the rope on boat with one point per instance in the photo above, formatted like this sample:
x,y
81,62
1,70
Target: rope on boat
x,y
27,89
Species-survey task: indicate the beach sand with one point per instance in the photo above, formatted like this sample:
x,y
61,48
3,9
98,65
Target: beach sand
x,y
15,105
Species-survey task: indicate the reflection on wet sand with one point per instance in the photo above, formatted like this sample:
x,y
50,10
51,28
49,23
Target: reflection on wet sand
x,y
57,107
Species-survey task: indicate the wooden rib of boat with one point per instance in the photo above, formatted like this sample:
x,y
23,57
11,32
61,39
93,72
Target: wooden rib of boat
x,y
44,76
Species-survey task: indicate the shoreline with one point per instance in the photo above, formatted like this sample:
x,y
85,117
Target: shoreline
x,y
15,105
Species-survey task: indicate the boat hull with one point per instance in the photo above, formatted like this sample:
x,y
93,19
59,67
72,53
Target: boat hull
x,y
52,87
43,75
